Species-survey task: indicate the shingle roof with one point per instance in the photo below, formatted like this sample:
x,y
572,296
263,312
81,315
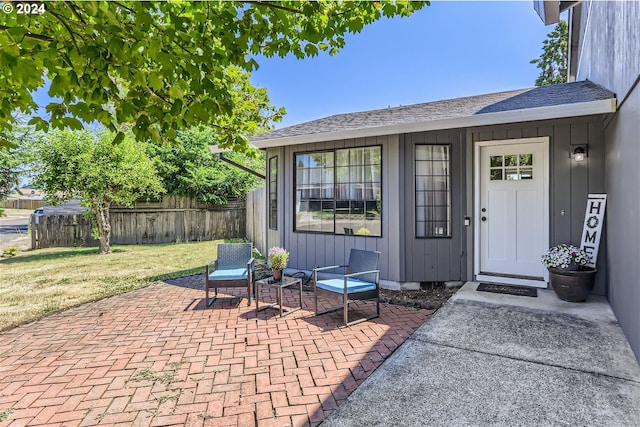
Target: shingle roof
x,y
515,100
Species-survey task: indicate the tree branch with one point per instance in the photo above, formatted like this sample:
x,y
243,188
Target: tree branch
x,y
123,6
75,12
30,35
159,95
273,5
71,33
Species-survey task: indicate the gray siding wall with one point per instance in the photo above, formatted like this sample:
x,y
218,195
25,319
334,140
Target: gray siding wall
x,y
623,211
312,249
435,259
611,57
610,50
570,182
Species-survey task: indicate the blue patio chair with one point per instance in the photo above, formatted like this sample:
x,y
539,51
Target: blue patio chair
x,y
235,267
361,281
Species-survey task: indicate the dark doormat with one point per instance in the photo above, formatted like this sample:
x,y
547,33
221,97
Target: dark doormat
x,y
522,291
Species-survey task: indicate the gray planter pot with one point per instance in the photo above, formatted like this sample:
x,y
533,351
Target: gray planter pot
x,y
571,285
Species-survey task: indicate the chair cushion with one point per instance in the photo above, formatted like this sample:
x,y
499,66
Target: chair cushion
x,y
337,285
232,274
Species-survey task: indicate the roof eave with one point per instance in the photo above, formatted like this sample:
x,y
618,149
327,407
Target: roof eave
x,y
602,106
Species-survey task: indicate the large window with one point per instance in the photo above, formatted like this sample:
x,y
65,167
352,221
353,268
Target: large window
x,y
273,193
339,191
433,191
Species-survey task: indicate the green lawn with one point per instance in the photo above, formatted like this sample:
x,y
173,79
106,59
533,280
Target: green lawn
x,y
36,283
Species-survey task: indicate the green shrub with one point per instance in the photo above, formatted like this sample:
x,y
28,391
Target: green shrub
x,y
10,251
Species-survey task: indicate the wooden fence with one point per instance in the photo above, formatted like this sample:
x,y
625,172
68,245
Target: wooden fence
x,y
256,219
61,231
173,219
30,204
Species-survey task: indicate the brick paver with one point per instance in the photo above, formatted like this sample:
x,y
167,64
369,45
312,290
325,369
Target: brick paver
x,y
157,357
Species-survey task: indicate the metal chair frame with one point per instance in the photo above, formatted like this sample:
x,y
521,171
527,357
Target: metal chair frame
x,y
231,256
348,297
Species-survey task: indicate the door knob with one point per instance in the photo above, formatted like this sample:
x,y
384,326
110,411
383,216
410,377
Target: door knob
x,y
483,209
484,218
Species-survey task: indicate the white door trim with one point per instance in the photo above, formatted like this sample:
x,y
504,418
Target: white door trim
x,y
476,201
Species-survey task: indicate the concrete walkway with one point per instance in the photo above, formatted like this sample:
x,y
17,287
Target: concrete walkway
x,y
491,359
158,357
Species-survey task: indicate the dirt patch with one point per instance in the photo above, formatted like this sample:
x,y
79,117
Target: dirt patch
x,y
430,296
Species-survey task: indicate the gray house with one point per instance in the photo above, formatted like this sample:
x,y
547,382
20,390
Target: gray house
x,y
477,188
471,188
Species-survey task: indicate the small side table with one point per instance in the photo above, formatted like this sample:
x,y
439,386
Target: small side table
x,y
279,286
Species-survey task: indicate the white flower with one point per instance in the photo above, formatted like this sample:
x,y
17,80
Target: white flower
x,y
561,256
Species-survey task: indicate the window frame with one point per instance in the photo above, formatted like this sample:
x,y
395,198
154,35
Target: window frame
x,y
334,189
449,219
273,189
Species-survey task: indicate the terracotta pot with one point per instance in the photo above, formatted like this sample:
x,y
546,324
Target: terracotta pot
x,y
571,285
277,274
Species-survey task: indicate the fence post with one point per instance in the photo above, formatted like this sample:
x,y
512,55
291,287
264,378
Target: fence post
x,y
34,231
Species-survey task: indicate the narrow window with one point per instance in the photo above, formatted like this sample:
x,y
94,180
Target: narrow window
x,y
433,191
273,193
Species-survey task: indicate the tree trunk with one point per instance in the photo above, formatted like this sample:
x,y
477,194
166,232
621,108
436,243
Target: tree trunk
x,y
101,211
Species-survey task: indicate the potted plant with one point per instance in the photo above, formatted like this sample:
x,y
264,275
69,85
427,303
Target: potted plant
x,y
569,274
278,258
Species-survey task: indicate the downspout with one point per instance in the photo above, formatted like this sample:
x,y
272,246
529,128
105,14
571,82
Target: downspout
x,y
239,166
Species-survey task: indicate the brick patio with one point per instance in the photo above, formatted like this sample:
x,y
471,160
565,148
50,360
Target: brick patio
x,y
157,357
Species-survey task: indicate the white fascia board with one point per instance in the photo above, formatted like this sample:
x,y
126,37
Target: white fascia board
x,y
526,115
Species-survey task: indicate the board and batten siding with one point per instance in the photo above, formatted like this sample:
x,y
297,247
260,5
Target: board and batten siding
x,y
570,182
314,249
610,56
442,258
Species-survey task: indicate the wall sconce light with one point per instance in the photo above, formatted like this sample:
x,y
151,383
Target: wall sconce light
x,y
579,153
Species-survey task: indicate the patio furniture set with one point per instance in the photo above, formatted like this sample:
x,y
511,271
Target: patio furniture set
x,y
235,267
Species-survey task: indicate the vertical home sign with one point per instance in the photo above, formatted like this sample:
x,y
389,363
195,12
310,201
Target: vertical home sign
x,y
592,228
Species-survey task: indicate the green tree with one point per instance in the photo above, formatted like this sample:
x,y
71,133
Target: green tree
x,y
190,169
9,171
12,160
553,61
163,66
87,165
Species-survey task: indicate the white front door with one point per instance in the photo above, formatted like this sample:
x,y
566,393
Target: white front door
x,y
512,211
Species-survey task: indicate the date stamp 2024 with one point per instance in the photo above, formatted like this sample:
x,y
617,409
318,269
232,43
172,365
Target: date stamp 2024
x,y
24,8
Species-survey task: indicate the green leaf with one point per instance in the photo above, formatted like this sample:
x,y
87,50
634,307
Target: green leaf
x,y
6,143
311,50
72,123
118,138
176,92
39,123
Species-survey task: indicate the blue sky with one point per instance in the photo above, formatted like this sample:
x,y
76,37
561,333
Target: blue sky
x,y
446,50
